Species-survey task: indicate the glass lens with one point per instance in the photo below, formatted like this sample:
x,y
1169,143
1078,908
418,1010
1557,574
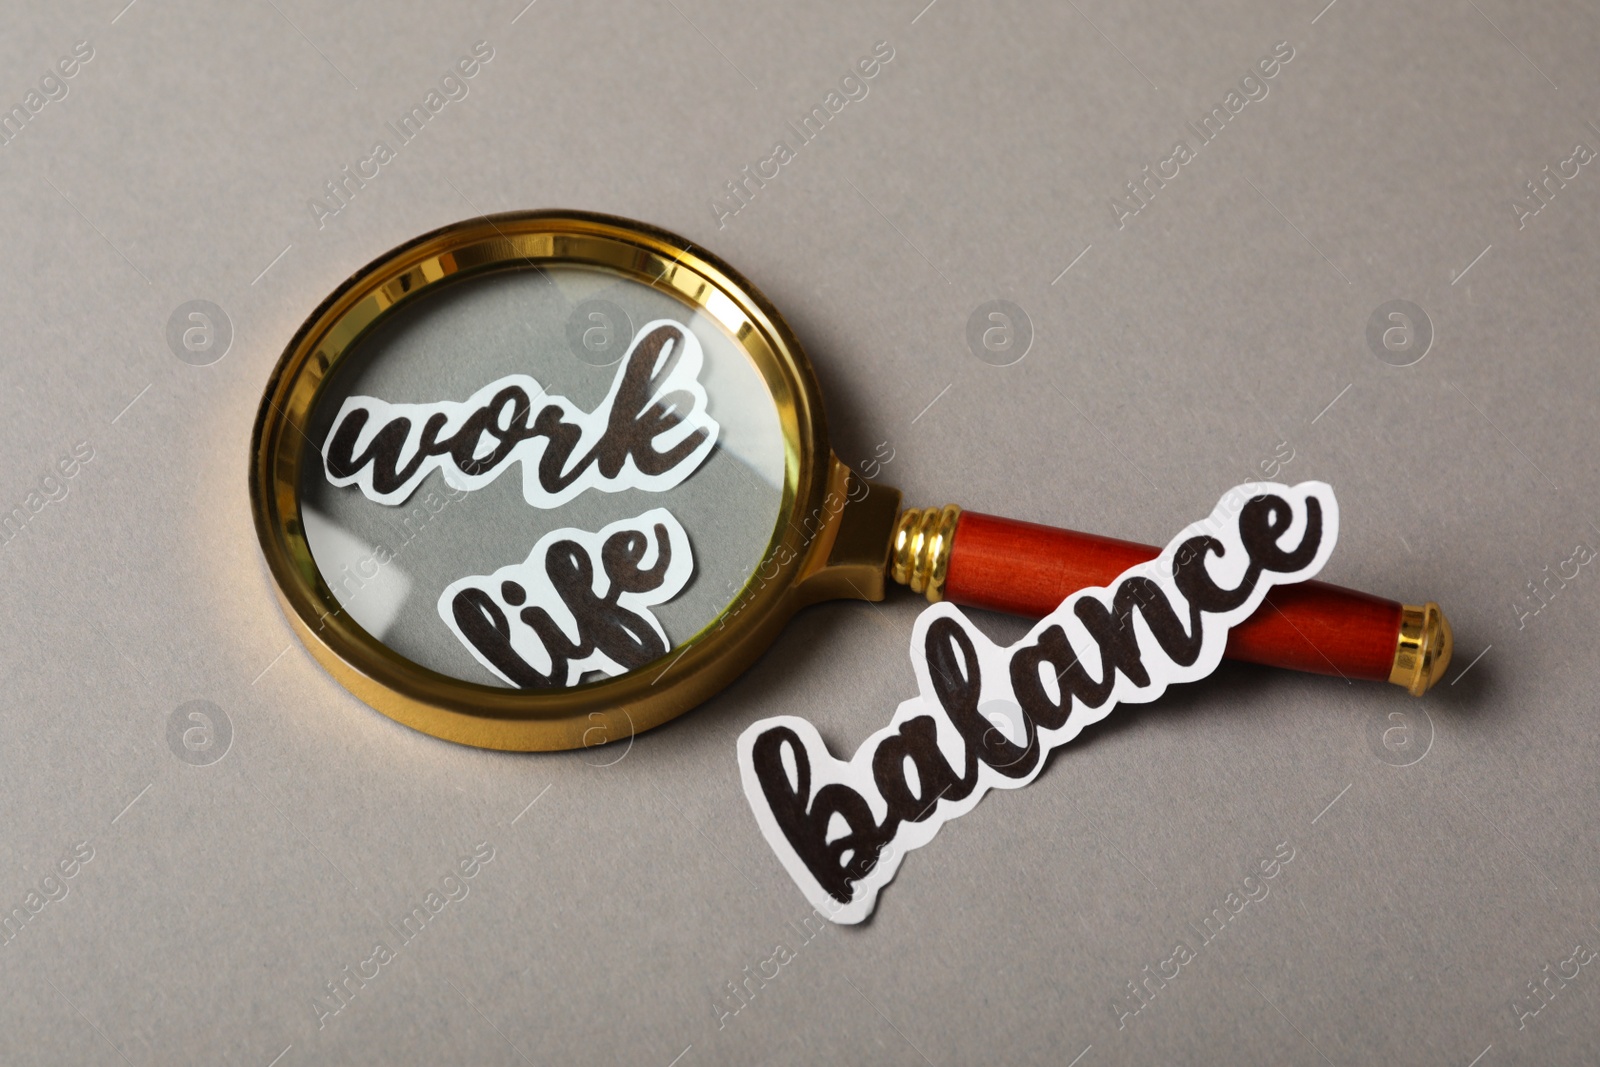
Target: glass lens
x,y
540,478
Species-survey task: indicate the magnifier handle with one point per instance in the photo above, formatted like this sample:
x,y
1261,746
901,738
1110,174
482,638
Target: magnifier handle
x,y
1022,568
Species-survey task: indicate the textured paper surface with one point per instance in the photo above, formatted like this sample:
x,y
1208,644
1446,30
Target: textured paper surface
x,y
1443,850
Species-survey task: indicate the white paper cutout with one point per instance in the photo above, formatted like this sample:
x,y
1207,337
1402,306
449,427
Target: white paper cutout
x,y
650,432
948,746
579,603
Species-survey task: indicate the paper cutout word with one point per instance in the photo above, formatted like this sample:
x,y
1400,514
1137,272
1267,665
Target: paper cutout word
x,y
986,716
650,432
580,602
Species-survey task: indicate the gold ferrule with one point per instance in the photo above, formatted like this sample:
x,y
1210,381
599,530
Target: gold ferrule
x,y
1423,650
919,556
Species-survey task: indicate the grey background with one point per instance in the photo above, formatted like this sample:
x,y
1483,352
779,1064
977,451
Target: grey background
x,y
1223,327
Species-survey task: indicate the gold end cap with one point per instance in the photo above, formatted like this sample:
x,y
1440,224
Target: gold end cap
x,y
919,554
1422,651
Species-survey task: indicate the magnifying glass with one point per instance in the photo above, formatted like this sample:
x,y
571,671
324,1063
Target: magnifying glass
x,y
544,480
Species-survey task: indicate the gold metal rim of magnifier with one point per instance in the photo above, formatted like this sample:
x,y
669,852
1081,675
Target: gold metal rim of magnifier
x,y
830,539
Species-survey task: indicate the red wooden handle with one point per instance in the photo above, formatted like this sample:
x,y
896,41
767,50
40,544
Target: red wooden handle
x,y
1026,569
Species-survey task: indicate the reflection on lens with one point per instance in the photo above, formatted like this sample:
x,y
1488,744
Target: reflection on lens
x,y
502,506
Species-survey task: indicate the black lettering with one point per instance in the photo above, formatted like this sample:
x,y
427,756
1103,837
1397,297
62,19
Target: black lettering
x,y
484,625
1052,652
507,433
958,684
1194,581
637,420
1114,632
911,774
804,819
1119,651
936,779
383,451
639,414
1265,519
603,624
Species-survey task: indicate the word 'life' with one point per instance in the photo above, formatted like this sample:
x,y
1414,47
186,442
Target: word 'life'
x,y
568,629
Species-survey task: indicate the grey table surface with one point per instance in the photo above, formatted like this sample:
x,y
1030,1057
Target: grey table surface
x,y
1444,864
